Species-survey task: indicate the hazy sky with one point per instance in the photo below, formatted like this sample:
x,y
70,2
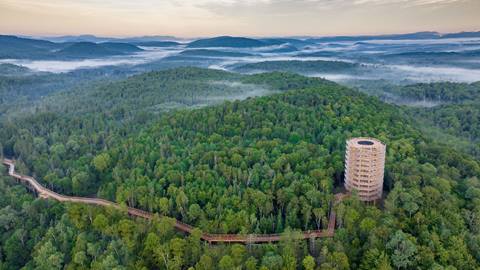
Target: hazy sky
x,y
194,18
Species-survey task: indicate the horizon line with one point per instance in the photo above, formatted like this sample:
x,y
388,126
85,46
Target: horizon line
x,y
249,36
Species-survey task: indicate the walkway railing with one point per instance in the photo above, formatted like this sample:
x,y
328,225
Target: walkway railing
x,y
46,193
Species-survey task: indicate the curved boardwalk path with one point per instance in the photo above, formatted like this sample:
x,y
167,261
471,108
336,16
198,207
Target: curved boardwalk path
x,y
46,193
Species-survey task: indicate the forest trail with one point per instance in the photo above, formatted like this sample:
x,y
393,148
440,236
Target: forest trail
x,y
46,193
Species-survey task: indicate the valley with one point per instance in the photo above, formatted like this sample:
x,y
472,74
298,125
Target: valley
x,y
229,153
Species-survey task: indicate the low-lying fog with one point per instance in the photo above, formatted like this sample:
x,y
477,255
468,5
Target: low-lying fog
x,y
380,59
422,74
59,66
230,91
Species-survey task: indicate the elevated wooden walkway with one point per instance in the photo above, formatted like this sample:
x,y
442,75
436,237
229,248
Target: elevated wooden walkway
x,y
46,193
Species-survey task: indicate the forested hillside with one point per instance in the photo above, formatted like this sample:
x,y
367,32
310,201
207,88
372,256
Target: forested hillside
x,y
266,164
227,41
12,47
90,49
81,122
299,66
458,113
447,111
444,92
21,88
213,53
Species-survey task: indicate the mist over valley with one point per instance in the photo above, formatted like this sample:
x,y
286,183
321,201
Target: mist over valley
x,y
239,134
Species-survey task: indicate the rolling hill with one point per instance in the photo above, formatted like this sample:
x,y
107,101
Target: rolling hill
x,y
261,165
12,47
283,49
120,47
298,66
227,41
289,41
418,35
157,43
15,47
213,53
90,49
462,35
13,70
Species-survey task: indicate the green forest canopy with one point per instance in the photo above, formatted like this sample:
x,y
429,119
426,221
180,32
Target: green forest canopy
x,y
267,164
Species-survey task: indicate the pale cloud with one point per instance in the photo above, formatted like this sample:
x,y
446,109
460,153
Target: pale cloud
x,y
235,17
319,3
150,5
409,2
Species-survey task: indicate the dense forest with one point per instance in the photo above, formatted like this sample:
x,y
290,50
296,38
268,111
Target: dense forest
x,y
447,111
295,66
444,92
261,165
458,112
21,88
83,121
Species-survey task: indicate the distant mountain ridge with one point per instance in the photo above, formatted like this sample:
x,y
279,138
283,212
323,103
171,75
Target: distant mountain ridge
x,y
462,35
417,35
213,53
283,49
90,49
17,47
120,47
157,43
12,47
465,53
296,41
227,41
85,46
96,39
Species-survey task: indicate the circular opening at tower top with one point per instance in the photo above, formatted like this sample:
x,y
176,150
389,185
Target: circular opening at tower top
x,y
365,142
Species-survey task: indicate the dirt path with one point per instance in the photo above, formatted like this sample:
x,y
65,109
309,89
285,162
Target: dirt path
x,y
46,193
